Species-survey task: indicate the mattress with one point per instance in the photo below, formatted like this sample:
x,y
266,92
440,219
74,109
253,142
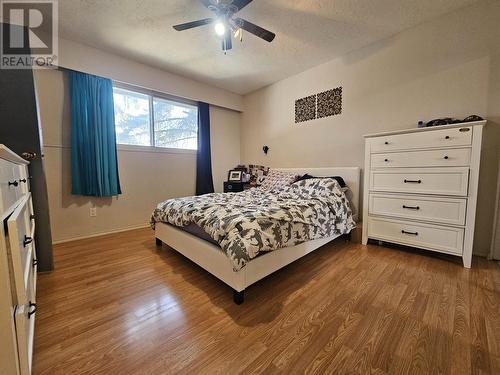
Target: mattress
x,y
197,231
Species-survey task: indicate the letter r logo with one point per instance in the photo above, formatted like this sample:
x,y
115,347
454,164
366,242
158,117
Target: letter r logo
x,y
29,29
34,21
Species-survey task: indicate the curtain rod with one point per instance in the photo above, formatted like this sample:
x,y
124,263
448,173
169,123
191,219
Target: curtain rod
x,y
161,93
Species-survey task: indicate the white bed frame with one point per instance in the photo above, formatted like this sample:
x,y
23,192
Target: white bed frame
x,y
212,258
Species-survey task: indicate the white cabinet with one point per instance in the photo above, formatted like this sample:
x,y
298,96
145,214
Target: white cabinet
x,y
18,266
421,187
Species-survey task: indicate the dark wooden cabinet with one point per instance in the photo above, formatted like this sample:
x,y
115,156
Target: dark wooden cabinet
x,y
233,187
21,132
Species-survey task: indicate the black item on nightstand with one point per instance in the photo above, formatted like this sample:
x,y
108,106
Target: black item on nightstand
x,y
233,187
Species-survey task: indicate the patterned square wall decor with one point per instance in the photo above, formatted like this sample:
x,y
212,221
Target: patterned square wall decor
x,y
305,109
330,103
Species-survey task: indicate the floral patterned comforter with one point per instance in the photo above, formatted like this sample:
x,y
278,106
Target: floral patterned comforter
x,y
249,223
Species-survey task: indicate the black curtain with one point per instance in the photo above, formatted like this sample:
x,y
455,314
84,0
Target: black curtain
x,y
204,181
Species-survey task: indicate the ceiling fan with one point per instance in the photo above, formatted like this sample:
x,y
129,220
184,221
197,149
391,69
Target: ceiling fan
x,y
226,22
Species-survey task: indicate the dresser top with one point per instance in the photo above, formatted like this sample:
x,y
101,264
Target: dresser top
x,y
431,128
9,155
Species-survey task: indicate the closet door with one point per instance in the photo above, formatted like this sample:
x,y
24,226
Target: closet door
x,y
21,132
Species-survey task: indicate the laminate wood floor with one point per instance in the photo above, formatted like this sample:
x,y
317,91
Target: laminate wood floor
x,y
118,305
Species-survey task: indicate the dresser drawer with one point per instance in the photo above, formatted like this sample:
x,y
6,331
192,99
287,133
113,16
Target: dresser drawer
x,y
425,139
457,157
21,250
9,185
432,237
439,210
25,332
23,180
442,181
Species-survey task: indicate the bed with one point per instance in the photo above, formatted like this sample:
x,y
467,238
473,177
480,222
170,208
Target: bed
x,y
210,256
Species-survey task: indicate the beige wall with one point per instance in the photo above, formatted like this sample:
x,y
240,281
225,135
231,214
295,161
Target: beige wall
x,y
146,177
446,67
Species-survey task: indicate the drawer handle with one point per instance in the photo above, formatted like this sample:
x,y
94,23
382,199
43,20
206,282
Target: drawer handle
x,y
411,207
27,240
35,263
32,217
447,137
412,233
32,309
14,183
413,181
23,180
446,157
464,130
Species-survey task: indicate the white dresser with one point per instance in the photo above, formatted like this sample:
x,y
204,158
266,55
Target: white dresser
x,y
18,266
421,187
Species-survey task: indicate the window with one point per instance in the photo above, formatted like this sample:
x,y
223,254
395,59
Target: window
x,y
131,117
143,119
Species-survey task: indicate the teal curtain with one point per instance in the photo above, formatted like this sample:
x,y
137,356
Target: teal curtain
x,y
93,140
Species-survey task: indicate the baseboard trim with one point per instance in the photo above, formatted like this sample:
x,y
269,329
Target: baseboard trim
x,y
98,234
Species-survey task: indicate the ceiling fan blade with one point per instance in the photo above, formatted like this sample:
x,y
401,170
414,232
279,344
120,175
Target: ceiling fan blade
x,y
227,42
256,30
240,4
190,25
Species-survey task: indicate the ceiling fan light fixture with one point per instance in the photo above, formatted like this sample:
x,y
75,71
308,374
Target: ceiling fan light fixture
x,y
220,28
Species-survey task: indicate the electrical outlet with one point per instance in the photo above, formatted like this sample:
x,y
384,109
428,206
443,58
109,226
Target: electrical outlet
x,y
93,211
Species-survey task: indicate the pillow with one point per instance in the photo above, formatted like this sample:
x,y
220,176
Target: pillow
x,y
257,174
278,179
339,179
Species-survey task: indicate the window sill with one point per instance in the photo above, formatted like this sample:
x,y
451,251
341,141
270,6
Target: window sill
x,y
152,149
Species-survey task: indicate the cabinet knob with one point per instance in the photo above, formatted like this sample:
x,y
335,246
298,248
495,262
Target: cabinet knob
x,y
386,143
446,157
447,137
386,160
32,309
27,240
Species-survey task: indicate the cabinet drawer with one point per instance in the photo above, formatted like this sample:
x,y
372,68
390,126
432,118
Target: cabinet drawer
x,y
21,250
443,181
439,210
432,158
429,139
426,236
9,185
23,180
25,332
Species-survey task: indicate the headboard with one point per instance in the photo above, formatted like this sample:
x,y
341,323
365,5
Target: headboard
x,y
351,176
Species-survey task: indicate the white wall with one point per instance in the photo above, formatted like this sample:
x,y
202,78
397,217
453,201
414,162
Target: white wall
x,y
77,56
225,143
446,67
147,177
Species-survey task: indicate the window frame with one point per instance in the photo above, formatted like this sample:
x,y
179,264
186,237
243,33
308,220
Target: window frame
x,y
152,94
